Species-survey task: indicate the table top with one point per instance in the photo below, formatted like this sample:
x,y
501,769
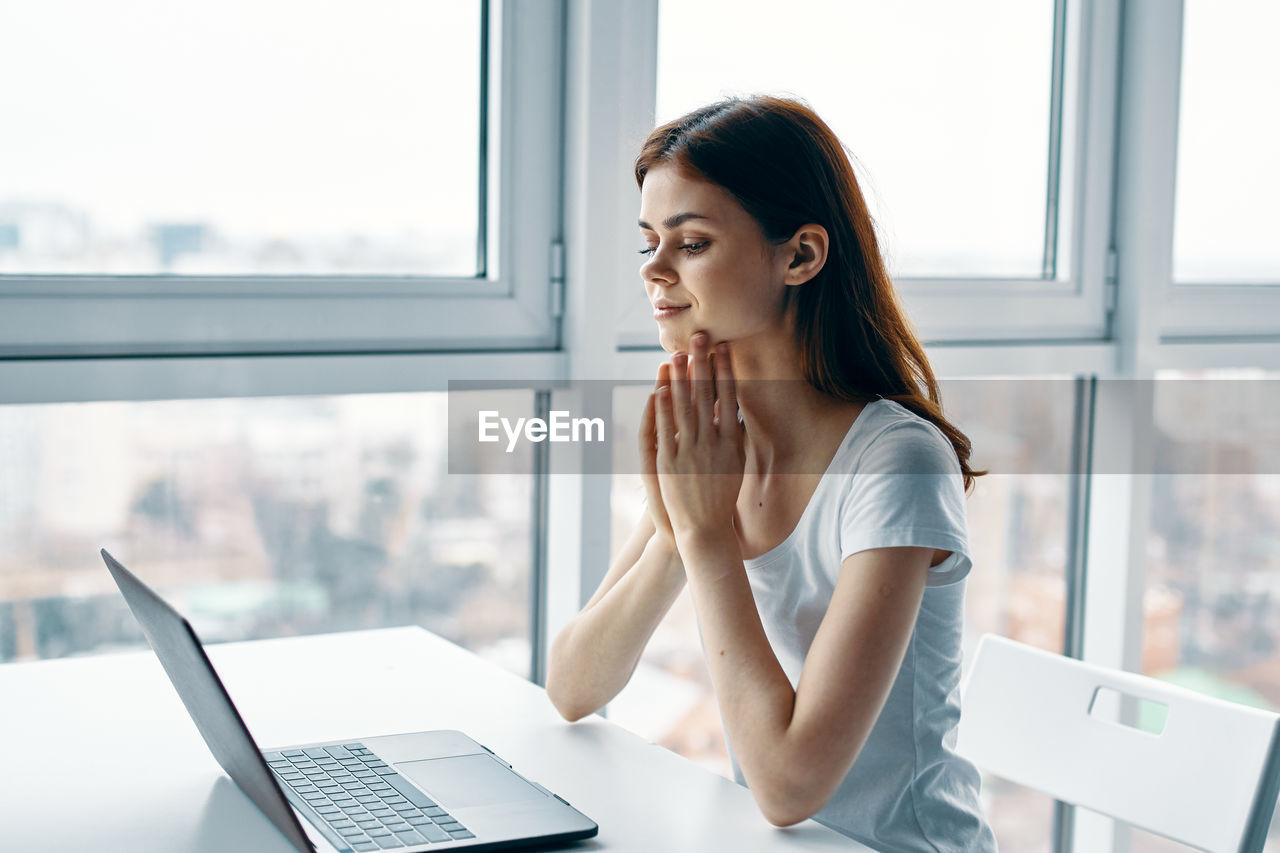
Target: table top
x,y
99,754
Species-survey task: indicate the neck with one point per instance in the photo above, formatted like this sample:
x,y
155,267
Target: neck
x,y
779,406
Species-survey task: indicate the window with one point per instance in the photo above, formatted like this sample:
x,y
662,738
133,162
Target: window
x,y
1224,219
260,517
279,138
1212,603
991,193
229,180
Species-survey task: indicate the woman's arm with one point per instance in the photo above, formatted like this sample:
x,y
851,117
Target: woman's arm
x,y
796,746
594,655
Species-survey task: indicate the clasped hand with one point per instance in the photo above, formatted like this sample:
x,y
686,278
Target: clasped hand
x,y
691,442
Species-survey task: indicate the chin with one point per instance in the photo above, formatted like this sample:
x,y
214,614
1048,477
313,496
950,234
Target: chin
x,y
677,340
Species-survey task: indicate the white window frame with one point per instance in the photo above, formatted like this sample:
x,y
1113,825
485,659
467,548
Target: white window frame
x,y
1073,306
510,307
1191,311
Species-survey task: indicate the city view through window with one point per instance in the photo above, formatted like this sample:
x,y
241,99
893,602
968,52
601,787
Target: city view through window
x,y
260,518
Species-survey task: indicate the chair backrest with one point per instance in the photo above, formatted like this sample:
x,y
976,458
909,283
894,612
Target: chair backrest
x,y
1209,779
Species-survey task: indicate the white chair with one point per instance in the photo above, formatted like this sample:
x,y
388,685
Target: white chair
x,y
1209,779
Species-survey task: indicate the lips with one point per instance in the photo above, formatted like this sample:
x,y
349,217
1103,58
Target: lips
x,y
664,311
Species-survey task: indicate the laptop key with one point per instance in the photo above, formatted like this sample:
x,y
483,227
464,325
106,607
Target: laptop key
x,y
338,752
410,837
434,833
408,791
389,842
362,846
463,834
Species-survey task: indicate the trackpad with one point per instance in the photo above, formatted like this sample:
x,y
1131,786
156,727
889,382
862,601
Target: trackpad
x,y
468,780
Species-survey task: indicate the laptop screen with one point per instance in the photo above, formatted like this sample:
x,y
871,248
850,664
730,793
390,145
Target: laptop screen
x,y
220,724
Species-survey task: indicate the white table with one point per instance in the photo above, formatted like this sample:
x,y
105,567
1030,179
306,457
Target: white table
x,y
98,753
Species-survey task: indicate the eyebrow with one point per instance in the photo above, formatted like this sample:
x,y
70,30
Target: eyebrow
x,y
673,221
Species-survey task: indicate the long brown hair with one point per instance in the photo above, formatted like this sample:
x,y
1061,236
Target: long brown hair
x,y
786,168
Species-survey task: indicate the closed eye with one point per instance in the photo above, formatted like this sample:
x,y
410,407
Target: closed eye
x,y
690,248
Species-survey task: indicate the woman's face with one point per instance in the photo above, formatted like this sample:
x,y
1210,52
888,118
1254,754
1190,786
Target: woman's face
x,y
708,260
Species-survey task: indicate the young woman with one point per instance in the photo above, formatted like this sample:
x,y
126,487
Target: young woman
x,y
800,482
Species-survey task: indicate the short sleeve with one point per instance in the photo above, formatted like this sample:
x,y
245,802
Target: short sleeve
x,y
907,489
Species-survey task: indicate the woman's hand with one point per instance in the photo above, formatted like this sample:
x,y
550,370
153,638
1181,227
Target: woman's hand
x,y
699,457
649,462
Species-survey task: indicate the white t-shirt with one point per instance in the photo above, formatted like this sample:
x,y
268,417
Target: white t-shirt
x,y
894,481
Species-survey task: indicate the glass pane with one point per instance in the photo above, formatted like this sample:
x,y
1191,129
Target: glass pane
x,y
1017,529
1225,217
239,138
944,106
1212,605
1018,532
260,518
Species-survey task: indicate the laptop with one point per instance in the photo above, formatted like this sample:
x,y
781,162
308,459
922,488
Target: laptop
x,y
436,790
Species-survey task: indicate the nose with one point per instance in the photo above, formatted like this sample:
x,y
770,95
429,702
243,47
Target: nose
x,y
657,271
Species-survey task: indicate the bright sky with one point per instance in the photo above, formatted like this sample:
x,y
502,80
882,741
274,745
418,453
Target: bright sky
x,y
268,116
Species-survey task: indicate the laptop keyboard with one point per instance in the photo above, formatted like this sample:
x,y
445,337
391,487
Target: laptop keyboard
x,y
362,802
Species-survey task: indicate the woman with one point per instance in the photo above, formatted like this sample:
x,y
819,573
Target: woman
x,y
821,530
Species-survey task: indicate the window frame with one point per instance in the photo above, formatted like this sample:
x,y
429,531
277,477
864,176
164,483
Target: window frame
x,y
1070,306
1189,311
106,316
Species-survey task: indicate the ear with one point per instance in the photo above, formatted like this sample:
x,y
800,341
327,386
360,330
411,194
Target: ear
x,y
806,253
